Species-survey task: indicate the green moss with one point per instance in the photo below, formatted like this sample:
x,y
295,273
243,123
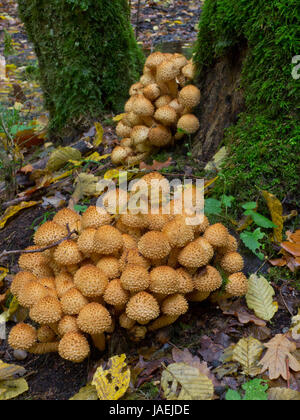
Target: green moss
x,y
264,145
88,56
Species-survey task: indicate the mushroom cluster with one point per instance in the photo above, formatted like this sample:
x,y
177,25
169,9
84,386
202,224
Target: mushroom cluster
x,y
160,109
138,271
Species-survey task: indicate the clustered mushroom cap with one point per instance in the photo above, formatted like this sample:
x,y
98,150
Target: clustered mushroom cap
x,y
126,322
152,92
22,337
67,217
139,134
74,347
31,293
49,233
95,217
231,246
20,280
189,96
110,266
123,130
196,254
143,308
154,245
154,60
45,334
28,261
208,279
217,235
167,71
67,253
186,284
46,311
91,281
135,278
63,283
157,221
48,282
94,318
133,257
166,115
134,220
232,262
160,136
178,232
129,242
86,241
237,285
188,123
175,305
67,324
142,106
115,294
108,240
73,301
164,280
163,101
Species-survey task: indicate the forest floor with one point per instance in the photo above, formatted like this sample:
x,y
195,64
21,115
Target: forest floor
x,y
208,329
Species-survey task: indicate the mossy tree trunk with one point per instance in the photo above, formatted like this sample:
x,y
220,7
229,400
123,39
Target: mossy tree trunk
x,y
87,54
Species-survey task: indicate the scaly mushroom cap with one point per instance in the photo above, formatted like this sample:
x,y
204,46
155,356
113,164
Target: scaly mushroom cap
x,y
152,92
126,142
120,154
63,283
142,106
177,106
189,96
178,232
186,284
73,301
86,241
164,280
172,260
237,284
163,101
110,266
95,218
179,60
175,305
46,311
142,308
133,257
217,235
208,279
189,71
74,347
132,119
94,319
162,322
129,242
68,217
42,270
28,261
67,324
157,221
138,221
232,262
231,246
188,123
154,60
166,71
67,253
126,322
123,130
139,134
115,294
197,296
20,280
160,136
147,79
135,278
202,226
196,254
49,233
31,293
48,282
166,115
129,104
136,89
154,245
45,334
22,337
90,281
108,240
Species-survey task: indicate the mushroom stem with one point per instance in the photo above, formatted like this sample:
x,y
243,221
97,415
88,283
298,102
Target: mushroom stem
x,y
44,348
99,341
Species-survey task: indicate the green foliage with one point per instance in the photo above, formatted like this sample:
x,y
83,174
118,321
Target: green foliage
x,y
252,241
8,44
88,56
264,145
255,390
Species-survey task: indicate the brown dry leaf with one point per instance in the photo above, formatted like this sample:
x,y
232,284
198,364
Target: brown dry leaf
x,y
292,248
279,262
283,394
276,211
156,166
27,169
241,312
247,353
278,357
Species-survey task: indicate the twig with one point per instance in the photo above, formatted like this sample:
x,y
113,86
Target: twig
x,y
34,251
285,304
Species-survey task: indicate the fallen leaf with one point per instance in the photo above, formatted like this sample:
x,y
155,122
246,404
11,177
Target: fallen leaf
x,y
156,166
87,393
217,160
278,357
240,311
112,383
292,248
119,117
3,273
10,371
180,381
295,329
247,353
260,297
276,211
61,156
27,169
283,394
12,388
99,134
85,186
13,210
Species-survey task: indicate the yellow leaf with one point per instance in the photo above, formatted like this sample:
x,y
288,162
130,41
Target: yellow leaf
x,y
85,185
112,383
5,316
12,388
283,394
276,211
87,393
61,176
247,352
10,371
99,134
61,156
260,297
119,117
13,210
295,330
184,382
18,106
112,173
3,273
96,157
